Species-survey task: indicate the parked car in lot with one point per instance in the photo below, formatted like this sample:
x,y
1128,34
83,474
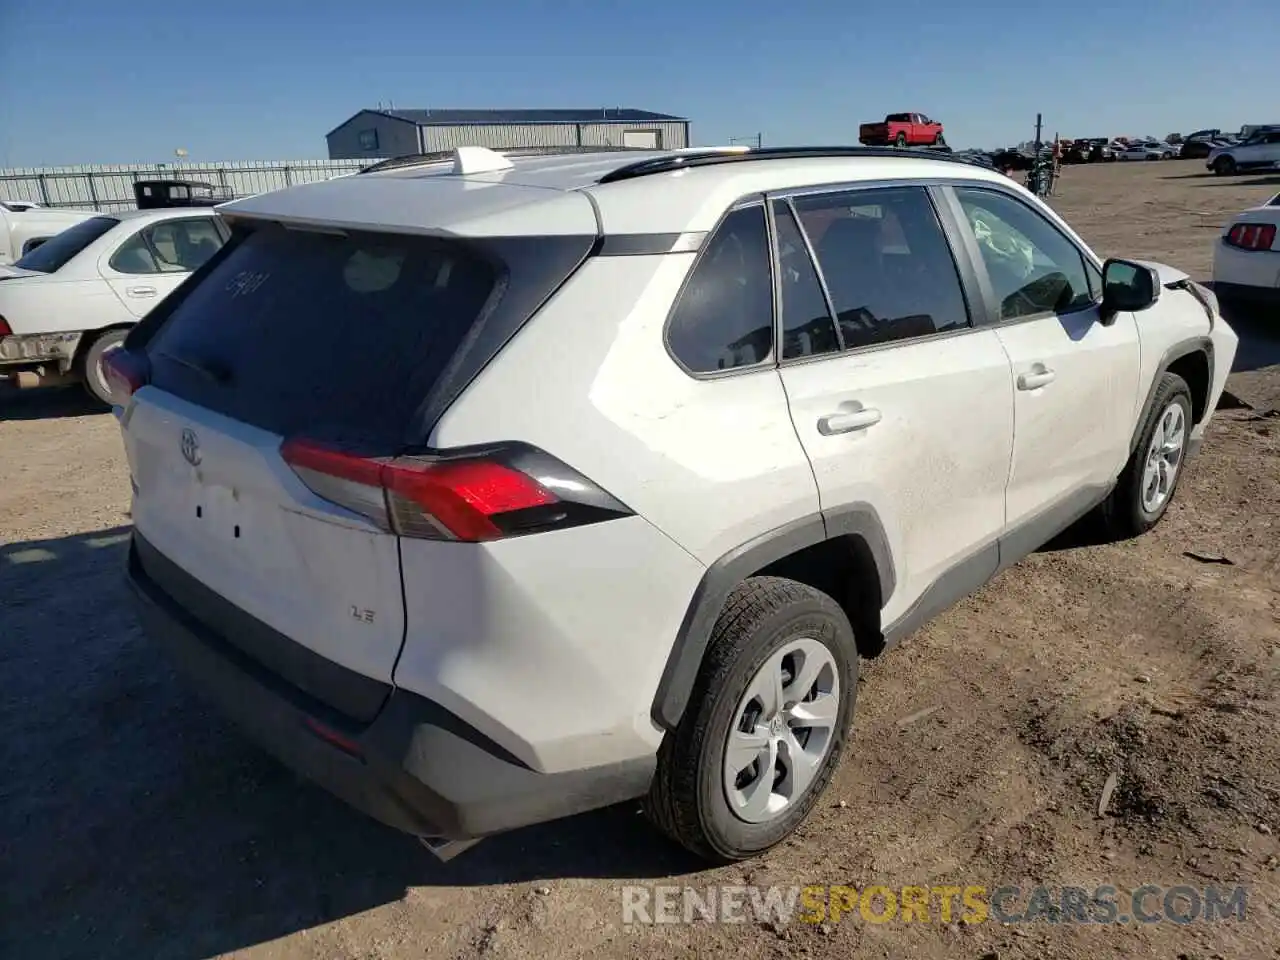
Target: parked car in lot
x,y
1200,148
1250,129
24,226
1148,150
902,130
71,300
1246,258
1099,150
1012,159
398,451
1261,151
158,194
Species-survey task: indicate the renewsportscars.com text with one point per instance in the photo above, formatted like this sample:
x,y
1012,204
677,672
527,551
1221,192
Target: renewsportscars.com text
x,y
969,903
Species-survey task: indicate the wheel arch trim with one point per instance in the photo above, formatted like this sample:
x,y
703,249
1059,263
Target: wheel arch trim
x,y
1183,348
858,520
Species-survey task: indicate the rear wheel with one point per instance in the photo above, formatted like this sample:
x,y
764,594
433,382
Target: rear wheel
x,y
766,724
1147,484
1224,166
901,141
92,373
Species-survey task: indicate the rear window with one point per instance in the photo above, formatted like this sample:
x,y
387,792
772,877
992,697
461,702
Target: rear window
x,y
57,251
311,332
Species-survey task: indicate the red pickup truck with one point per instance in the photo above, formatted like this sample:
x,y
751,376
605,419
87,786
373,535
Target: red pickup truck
x,y
902,130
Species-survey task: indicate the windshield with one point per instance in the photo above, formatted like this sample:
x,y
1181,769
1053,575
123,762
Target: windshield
x,y
54,253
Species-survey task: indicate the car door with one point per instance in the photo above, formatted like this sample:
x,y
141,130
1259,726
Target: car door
x,y
1075,376
150,263
899,401
1251,153
1269,152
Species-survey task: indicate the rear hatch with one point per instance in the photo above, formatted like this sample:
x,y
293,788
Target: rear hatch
x,y
294,338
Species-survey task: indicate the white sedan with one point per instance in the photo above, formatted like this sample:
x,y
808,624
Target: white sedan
x,y
1147,151
69,301
1246,259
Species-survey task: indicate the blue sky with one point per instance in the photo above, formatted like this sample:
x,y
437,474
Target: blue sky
x,y
236,80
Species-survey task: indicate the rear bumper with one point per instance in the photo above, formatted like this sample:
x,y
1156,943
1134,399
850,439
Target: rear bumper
x,y
1246,274
415,766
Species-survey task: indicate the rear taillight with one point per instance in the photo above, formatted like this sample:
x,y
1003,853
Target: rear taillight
x,y
1252,236
5,329
126,373
503,492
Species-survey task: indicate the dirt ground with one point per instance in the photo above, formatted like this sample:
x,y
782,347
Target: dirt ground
x,y
135,823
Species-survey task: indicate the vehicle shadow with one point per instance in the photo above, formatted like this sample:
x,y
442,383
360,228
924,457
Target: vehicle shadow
x,y
1243,180
136,822
1259,330
47,403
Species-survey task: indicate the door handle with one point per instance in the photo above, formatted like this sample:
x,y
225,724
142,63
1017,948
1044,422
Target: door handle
x,y
834,423
1036,379
141,291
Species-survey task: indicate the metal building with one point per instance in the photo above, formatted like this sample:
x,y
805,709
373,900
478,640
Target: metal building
x,y
376,134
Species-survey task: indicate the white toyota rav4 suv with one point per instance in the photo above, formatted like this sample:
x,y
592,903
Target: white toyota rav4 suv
x,y
490,489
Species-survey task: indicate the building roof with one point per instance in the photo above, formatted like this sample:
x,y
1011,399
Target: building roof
x,y
451,117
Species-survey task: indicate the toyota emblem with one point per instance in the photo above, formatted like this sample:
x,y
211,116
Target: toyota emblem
x,y
191,447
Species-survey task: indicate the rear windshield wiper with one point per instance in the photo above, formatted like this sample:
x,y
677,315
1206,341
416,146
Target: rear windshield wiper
x,y
214,370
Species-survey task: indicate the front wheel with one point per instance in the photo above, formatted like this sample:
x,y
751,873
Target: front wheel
x,y
765,726
92,373
1147,484
1224,166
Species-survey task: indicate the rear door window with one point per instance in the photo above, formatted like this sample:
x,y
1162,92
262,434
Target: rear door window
x,y
886,262
171,246
340,335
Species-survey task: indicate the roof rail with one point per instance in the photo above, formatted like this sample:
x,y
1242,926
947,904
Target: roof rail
x,y
714,156
438,156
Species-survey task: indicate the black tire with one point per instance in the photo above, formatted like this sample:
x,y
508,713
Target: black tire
x,y
939,141
687,799
1123,512
1225,166
89,365
901,140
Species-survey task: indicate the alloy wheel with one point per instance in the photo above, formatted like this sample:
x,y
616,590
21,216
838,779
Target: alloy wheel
x,y
783,728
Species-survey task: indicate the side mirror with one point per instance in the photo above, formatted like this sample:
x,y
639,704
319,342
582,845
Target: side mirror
x,y
1128,286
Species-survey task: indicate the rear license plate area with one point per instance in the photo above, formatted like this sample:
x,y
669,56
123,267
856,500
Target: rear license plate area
x,y
217,512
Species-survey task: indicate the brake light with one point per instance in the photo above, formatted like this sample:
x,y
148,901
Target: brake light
x,y
126,373
5,329
1252,236
452,497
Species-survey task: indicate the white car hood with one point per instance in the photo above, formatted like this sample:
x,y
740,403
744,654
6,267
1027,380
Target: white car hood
x,y
1168,275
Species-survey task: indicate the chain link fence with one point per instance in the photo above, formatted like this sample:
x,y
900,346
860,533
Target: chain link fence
x,y
107,187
